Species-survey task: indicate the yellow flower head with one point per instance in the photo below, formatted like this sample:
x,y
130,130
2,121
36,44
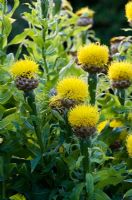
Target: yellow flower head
x,y
72,88
85,11
26,68
83,116
120,71
128,9
129,144
55,101
93,55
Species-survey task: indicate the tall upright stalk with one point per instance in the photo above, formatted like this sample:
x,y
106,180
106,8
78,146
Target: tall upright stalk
x,y
84,145
92,82
44,13
30,98
2,29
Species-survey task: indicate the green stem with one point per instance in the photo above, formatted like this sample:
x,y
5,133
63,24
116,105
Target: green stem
x,y
121,95
44,13
43,54
84,36
84,145
30,97
2,31
3,190
92,82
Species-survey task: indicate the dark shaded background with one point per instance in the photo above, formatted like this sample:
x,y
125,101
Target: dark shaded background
x,y
109,17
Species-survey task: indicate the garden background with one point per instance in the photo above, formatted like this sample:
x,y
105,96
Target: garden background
x,y
108,21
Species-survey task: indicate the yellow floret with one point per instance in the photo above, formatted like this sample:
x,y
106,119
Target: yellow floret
x,y
102,125
93,54
83,116
128,9
129,144
72,88
84,11
26,68
120,71
116,123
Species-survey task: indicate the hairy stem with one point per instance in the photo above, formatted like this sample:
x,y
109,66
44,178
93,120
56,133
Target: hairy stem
x,y
30,98
2,30
84,145
121,95
92,82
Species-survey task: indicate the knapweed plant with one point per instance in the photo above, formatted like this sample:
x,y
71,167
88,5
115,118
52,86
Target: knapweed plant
x,y
65,107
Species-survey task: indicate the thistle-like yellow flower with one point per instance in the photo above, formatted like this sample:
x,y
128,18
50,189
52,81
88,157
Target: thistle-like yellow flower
x,y
128,10
129,144
72,88
85,11
83,116
24,68
120,71
93,55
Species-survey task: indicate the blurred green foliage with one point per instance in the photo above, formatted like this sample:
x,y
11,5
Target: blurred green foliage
x,y
109,17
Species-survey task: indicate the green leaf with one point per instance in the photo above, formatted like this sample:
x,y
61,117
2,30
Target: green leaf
x,y
35,162
89,184
16,4
8,26
100,195
20,38
76,192
17,197
58,116
2,110
5,95
128,193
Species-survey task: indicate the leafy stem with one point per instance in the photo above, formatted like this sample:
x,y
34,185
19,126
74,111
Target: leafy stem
x,y
121,95
30,98
84,145
2,29
92,82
